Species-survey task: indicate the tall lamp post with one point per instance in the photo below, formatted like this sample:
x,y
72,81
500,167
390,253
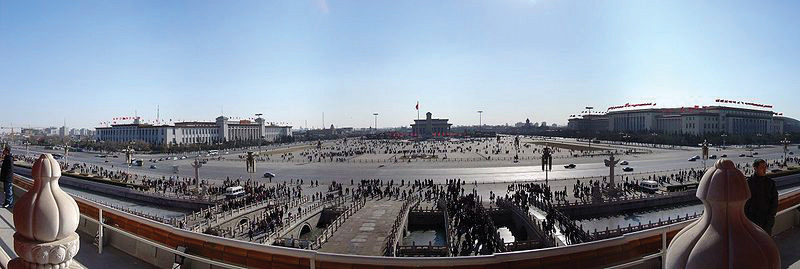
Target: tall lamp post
x,y
759,140
547,162
196,165
654,135
480,119
258,115
785,143
376,121
129,159
723,139
705,145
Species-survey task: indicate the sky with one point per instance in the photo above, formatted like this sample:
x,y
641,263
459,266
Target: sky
x,y
87,62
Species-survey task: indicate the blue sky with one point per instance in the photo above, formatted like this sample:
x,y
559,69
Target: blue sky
x,y
87,62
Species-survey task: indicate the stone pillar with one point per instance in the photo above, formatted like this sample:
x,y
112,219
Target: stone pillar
x,y
723,237
45,218
611,163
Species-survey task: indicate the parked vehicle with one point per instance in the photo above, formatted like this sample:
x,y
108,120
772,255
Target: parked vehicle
x,y
234,192
648,186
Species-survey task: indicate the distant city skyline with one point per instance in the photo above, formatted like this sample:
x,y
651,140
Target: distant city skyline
x,y
86,63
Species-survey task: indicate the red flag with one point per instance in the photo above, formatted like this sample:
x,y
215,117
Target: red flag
x,y
417,105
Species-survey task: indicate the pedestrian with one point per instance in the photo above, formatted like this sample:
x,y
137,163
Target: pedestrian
x,y
763,202
7,176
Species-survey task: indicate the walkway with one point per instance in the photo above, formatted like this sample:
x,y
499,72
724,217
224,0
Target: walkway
x,y
87,255
365,232
789,247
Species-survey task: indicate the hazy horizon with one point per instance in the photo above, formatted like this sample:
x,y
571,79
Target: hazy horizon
x,y
88,62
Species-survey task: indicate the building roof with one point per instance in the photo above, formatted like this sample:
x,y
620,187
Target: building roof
x,y
686,110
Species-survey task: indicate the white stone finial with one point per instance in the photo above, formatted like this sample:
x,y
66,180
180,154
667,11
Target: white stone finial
x,y
723,237
45,218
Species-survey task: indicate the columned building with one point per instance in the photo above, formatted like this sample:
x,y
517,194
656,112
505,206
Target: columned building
x,y
696,120
193,132
430,127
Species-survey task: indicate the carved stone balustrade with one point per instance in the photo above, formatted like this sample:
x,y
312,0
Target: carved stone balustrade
x,y
45,218
723,237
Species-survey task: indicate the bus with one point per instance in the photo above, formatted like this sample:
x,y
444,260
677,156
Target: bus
x,y
234,192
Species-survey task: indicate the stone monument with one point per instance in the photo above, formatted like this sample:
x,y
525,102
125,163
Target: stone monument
x,y
611,163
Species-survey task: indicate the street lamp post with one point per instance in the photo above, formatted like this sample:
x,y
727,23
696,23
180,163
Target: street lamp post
x,y
654,139
547,162
196,165
705,145
376,121
66,151
480,119
590,144
759,140
785,143
258,115
128,160
723,140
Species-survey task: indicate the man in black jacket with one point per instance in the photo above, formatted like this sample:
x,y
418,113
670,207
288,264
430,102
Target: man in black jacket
x,y
763,203
7,176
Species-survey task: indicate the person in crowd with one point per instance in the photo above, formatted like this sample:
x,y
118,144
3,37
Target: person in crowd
x,y
7,175
763,202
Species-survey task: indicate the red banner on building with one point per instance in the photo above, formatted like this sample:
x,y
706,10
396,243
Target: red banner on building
x,y
742,103
631,105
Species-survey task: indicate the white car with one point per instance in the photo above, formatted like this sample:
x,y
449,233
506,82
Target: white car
x,y
623,163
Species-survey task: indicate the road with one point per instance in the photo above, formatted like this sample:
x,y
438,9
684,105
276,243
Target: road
x,y
326,172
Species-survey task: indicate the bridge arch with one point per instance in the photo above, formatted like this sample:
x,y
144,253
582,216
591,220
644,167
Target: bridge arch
x,y
243,221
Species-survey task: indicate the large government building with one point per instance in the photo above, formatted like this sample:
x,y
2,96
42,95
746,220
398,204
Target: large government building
x,y
430,127
221,130
686,120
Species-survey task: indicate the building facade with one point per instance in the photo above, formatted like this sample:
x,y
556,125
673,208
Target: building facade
x,y
218,131
430,127
589,123
694,120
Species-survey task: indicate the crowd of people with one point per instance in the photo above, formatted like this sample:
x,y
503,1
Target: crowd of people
x,y
525,195
475,232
